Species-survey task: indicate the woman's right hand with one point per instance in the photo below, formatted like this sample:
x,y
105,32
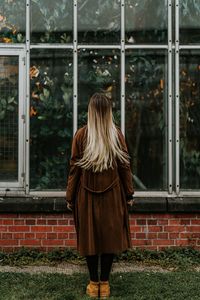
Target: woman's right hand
x,y
69,206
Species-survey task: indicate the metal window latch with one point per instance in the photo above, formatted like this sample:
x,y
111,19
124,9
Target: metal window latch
x,y
23,118
23,174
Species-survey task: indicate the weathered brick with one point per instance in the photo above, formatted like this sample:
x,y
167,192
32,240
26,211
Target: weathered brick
x,y
53,222
63,235
19,228
19,221
30,222
41,222
141,222
140,235
9,242
41,228
64,228
155,228
7,222
52,242
162,235
30,242
163,242
152,222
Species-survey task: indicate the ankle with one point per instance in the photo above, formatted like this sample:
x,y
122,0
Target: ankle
x,y
94,282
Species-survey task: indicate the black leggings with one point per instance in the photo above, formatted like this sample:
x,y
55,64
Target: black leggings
x,y
106,261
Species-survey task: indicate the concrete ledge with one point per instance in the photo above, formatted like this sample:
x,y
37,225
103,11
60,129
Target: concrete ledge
x,y
189,204
58,205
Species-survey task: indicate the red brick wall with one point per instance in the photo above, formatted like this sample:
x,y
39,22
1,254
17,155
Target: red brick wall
x,y
47,231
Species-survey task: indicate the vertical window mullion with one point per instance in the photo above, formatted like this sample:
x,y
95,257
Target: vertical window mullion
x,y
21,119
123,66
169,97
27,99
75,70
177,159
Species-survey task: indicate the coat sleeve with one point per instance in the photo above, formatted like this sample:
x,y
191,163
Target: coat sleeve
x,y
74,171
125,171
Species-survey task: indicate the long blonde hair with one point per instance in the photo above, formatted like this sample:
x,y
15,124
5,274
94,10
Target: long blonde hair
x,y
102,143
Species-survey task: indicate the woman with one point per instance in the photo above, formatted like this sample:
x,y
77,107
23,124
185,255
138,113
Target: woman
x,y
98,190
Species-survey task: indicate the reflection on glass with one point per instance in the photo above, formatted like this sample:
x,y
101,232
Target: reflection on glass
x,y
51,21
189,21
98,21
146,120
146,21
99,71
51,78
12,21
190,120
9,118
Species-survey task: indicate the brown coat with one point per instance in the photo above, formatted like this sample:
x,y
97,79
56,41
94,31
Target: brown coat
x,y
99,201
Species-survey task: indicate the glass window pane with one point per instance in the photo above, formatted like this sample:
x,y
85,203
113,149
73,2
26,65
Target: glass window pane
x,y
51,21
98,71
12,21
146,117
9,118
51,78
146,21
98,21
189,21
190,119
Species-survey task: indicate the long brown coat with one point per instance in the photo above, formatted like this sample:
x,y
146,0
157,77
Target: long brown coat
x,y
99,201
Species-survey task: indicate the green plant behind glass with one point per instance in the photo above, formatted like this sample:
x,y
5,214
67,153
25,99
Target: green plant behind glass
x,y
51,121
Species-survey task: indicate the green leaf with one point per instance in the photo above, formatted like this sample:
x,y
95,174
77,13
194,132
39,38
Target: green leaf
x,y
42,98
41,117
46,93
3,103
2,114
10,99
10,108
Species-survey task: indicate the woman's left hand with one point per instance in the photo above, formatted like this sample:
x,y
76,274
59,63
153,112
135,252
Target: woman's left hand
x,y
131,202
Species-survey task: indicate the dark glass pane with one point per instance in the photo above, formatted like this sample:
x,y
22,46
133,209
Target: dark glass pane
x,y
189,21
9,118
12,21
146,21
99,71
190,119
51,78
98,21
51,21
146,117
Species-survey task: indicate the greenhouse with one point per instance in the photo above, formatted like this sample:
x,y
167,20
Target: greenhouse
x,y
145,55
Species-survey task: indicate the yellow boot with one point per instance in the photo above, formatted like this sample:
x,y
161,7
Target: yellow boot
x,y
93,289
104,289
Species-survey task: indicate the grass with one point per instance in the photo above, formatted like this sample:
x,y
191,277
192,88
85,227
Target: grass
x,y
124,286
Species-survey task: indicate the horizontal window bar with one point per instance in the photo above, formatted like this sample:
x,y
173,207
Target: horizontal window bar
x,y
51,46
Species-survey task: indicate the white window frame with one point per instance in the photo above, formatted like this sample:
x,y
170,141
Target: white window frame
x,y
7,186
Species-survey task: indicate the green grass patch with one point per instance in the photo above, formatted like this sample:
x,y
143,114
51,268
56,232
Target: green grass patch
x,y
124,286
173,257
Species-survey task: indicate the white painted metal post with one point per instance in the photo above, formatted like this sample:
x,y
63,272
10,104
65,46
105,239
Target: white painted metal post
x,y
27,101
123,66
75,71
169,96
177,143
